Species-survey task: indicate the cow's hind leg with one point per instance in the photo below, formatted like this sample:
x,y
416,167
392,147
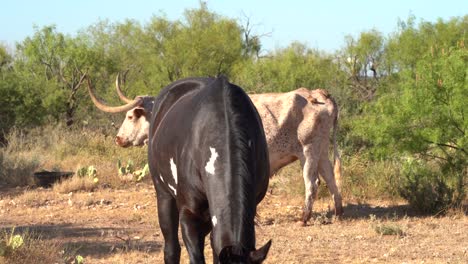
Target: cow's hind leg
x,y
169,224
194,230
326,170
310,173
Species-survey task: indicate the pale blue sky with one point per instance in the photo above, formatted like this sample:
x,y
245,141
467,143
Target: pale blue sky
x,y
319,24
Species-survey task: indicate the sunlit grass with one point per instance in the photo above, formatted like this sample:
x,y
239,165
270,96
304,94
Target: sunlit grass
x,y
57,148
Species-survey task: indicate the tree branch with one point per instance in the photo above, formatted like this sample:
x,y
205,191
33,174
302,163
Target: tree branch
x,y
446,145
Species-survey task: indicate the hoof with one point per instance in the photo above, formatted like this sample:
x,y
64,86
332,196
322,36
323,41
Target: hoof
x,y
301,223
339,212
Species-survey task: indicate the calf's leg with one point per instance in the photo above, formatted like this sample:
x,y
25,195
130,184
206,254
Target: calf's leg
x,y
326,170
310,174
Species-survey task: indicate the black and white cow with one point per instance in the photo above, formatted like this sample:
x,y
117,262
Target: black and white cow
x,y
209,162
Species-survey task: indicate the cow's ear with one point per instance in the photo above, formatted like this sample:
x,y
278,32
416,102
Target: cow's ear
x,y
259,255
139,111
311,99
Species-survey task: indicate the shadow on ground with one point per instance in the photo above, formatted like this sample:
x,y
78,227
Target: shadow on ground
x,y
88,241
394,212
364,211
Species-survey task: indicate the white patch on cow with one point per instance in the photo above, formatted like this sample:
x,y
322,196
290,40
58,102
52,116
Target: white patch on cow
x,y
173,189
317,181
174,170
160,176
210,168
214,220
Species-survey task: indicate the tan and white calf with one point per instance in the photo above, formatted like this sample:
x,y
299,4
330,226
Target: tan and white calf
x,y
297,126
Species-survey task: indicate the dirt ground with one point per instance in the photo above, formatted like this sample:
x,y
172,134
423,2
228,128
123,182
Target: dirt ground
x,y
120,226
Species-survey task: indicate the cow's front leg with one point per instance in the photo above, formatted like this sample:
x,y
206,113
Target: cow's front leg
x,y
194,230
169,223
310,174
326,170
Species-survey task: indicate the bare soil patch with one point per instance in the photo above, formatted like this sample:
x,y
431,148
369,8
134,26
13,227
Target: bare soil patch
x,y
121,226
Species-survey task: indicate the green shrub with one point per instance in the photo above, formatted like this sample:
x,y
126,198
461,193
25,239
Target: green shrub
x,y
428,190
130,170
389,230
365,178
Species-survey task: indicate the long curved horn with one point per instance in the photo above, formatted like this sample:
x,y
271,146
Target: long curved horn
x,y
119,92
112,109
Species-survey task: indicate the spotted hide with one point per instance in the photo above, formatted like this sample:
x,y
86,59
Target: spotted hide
x,y
297,126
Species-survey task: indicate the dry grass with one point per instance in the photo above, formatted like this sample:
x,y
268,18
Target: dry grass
x,y
15,166
363,179
121,226
116,221
32,250
75,183
56,148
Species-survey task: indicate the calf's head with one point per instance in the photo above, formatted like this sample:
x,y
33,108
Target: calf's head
x,y
135,127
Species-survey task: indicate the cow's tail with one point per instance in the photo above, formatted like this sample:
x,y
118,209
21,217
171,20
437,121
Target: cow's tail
x,y
336,153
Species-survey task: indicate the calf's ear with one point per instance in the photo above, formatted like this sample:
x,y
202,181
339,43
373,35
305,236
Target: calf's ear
x,y
259,255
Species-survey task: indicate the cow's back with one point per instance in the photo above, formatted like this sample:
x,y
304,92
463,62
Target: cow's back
x,y
209,117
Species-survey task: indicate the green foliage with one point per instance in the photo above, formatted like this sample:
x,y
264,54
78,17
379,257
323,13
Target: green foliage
x,y
16,242
288,69
205,44
60,63
411,42
10,243
90,172
423,115
387,229
125,169
140,174
79,259
21,103
428,190
426,114
28,248
360,61
130,170
82,171
201,43
366,179
5,57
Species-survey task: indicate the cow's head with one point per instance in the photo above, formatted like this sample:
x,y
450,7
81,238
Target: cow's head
x,y
232,254
135,127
